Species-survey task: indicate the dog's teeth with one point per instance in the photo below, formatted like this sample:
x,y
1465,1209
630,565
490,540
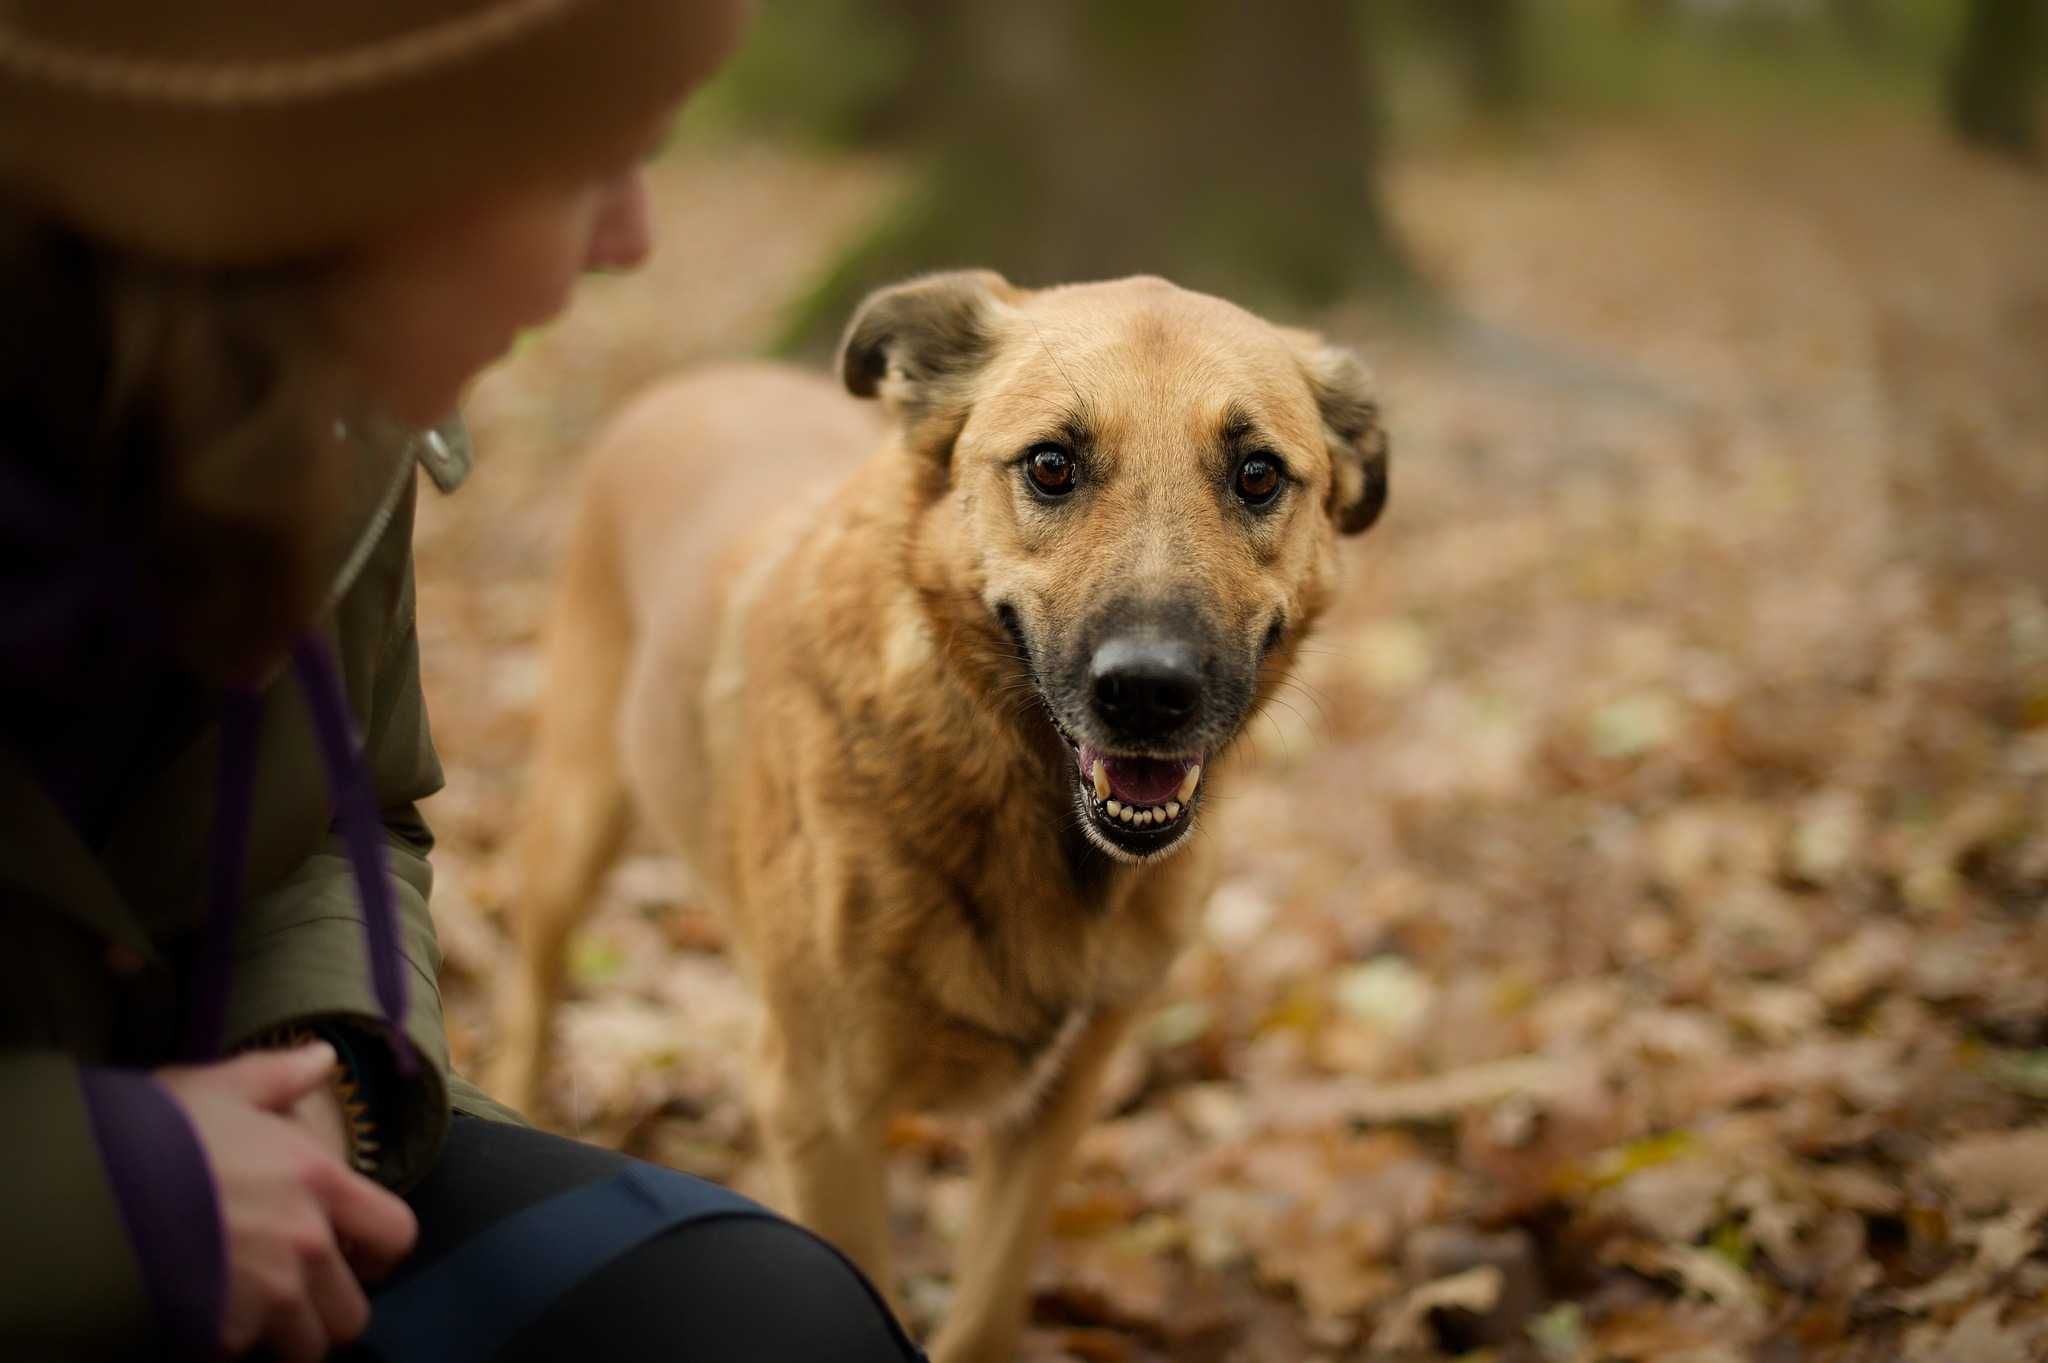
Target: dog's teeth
x,y
1116,810
1173,809
1189,782
1143,819
1100,775
1127,814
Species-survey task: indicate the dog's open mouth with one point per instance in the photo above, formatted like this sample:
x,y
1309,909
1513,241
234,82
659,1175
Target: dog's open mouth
x,y
1139,804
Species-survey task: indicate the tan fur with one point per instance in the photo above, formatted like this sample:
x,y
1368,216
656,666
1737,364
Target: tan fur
x,y
791,658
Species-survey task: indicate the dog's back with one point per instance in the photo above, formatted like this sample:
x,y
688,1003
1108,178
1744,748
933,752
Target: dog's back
x,y
686,497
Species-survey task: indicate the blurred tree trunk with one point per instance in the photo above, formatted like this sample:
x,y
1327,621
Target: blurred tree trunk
x,y
1995,80
1492,43
1226,144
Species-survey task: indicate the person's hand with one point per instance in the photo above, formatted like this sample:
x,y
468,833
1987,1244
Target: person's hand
x,y
319,1114
287,1204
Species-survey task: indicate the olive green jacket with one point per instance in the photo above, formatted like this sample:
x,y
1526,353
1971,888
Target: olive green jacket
x,y
94,941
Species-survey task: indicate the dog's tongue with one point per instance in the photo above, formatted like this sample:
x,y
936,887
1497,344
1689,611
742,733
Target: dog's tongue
x,y
1138,780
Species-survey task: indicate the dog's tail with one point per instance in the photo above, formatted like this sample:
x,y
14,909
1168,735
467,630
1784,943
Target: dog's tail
x,y
575,805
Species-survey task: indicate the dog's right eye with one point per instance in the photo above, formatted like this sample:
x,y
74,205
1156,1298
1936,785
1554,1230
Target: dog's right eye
x,y
1051,470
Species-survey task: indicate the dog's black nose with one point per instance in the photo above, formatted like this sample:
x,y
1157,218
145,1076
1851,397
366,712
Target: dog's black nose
x,y
1146,688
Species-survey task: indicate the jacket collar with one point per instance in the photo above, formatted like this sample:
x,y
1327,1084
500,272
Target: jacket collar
x,y
443,451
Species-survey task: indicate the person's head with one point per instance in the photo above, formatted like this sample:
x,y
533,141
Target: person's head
x,y
421,308
229,223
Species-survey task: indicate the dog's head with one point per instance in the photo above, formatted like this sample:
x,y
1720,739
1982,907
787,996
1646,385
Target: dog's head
x,y
1135,492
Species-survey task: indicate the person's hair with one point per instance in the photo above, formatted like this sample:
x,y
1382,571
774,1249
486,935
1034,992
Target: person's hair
x,y
187,415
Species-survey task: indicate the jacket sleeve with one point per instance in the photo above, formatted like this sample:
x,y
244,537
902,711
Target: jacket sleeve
x,y
70,1284
300,958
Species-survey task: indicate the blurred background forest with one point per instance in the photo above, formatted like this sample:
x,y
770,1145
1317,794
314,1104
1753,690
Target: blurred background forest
x,y
1634,942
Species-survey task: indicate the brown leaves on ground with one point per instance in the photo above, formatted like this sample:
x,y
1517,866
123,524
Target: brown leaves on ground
x,y
1633,944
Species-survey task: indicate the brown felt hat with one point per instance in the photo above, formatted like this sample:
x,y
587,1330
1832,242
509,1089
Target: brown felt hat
x,y
259,131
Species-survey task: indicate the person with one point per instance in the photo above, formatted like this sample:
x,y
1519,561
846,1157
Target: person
x,y
251,251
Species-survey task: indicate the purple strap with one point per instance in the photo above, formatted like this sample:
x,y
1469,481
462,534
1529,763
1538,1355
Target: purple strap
x,y
168,1203
362,830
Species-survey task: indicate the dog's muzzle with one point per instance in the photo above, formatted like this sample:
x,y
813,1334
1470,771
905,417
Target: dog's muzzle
x,y
1140,769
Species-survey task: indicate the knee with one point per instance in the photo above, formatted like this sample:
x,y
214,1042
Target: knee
x,y
798,1297
741,1287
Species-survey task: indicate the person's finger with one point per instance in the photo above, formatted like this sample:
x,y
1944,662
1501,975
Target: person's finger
x,y
274,1080
294,1332
241,1326
375,1223
336,1296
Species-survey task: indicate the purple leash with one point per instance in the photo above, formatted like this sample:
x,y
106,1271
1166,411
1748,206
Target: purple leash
x,y
362,830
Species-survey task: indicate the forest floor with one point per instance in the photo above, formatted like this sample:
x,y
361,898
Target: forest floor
x,y
1634,936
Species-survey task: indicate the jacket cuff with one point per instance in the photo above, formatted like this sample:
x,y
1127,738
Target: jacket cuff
x,y
305,966
365,1065
412,1112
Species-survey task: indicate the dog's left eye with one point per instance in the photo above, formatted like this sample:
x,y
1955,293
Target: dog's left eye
x,y
1051,469
1258,479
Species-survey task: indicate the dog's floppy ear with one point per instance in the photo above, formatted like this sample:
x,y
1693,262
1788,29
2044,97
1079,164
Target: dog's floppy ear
x,y
1351,424
914,344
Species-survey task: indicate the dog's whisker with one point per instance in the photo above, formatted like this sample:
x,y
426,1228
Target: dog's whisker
x,y
1296,679
1052,355
1284,674
1286,751
1291,683
1275,700
1322,711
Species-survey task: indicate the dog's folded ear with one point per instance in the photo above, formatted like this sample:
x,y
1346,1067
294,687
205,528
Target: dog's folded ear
x,y
915,344
1351,423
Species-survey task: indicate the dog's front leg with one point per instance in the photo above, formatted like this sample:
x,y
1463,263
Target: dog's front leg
x,y
827,1149
1018,1169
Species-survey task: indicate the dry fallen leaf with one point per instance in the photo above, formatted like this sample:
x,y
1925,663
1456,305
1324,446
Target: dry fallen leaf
x,y
1475,1290
1700,1273
1997,1169
1978,1337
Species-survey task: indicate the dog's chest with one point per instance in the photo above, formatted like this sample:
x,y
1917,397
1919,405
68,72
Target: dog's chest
x,y
1016,1104
1033,949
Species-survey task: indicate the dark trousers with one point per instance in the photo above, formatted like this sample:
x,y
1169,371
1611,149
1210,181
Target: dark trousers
x,y
751,1289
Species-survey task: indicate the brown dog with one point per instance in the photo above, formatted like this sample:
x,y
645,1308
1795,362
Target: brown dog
x,y
935,729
